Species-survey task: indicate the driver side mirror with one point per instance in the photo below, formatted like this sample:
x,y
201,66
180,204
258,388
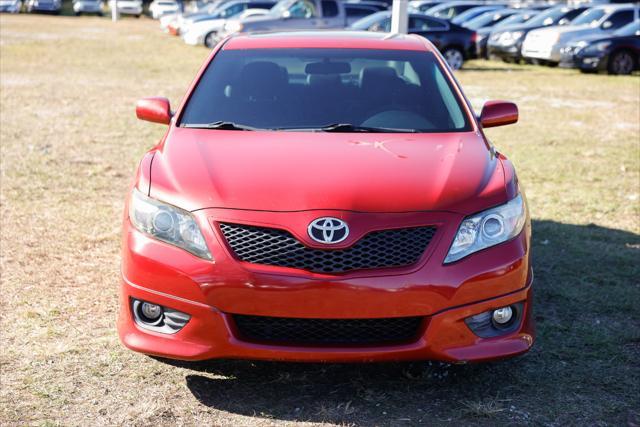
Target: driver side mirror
x,y
155,109
498,113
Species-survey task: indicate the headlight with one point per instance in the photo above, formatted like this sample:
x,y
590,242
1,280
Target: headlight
x,y
597,47
511,37
167,223
488,228
233,27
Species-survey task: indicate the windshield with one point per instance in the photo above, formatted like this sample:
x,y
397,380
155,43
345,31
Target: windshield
x,y
629,30
406,91
486,19
518,18
589,17
472,14
280,7
296,8
366,22
549,17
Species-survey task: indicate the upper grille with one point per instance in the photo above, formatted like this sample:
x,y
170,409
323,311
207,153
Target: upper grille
x,y
378,249
291,331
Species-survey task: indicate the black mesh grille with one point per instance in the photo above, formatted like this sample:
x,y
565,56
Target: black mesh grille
x,y
283,330
378,249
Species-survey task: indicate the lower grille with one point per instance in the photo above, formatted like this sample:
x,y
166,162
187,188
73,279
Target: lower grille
x,y
378,249
291,331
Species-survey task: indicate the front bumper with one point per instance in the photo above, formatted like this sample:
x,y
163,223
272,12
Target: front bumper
x,y
45,8
10,8
130,10
573,57
503,51
81,8
193,38
543,52
212,292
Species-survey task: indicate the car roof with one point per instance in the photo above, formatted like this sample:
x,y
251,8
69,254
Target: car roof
x,y
327,39
613,6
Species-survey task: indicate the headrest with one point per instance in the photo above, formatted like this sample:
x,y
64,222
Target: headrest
x,y
377,76
261,79
323,79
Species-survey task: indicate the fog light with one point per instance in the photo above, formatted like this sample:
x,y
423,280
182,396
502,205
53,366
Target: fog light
x,y
158,318
151,311
503,315
496,322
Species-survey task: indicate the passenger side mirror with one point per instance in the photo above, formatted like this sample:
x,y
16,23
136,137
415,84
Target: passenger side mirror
x,y
154,109
286,14
498,113
564,21
606,24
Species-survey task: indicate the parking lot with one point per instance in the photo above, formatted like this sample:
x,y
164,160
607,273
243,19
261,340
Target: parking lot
x,y
69,145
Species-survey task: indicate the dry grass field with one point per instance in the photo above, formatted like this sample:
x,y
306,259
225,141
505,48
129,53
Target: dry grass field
x,y
69,144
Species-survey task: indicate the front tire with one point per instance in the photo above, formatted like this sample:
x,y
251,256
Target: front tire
x,y
454,57
209,40
621,62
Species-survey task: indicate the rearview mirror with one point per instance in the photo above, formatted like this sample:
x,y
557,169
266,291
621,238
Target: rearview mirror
x,y
498,113
154,109
327,67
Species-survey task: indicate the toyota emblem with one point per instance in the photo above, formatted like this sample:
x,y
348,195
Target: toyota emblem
x,y
328,230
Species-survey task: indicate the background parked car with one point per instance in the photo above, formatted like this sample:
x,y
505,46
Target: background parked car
x,y
484,24
88,6
474,12
10,6
506,42
618,53
157,8
456,43
543,45
360,9
205,31
229,9
295,15
449,10
128,7
51,6
423,5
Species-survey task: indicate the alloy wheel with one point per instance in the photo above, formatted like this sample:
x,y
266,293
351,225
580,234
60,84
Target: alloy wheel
x,y
454,58
209,40
622,63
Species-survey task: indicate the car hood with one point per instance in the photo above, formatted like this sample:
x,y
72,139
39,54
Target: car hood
x,y
518,27
253,21
568,31
206,25
294,171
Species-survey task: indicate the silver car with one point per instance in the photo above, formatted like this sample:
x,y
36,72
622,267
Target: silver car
x,y
545,44
88,6
10,6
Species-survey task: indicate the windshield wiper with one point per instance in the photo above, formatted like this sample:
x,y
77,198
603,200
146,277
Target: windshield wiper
x,y
220,125
348,127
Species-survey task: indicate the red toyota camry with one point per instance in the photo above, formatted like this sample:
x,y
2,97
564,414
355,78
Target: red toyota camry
x,y
326,196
